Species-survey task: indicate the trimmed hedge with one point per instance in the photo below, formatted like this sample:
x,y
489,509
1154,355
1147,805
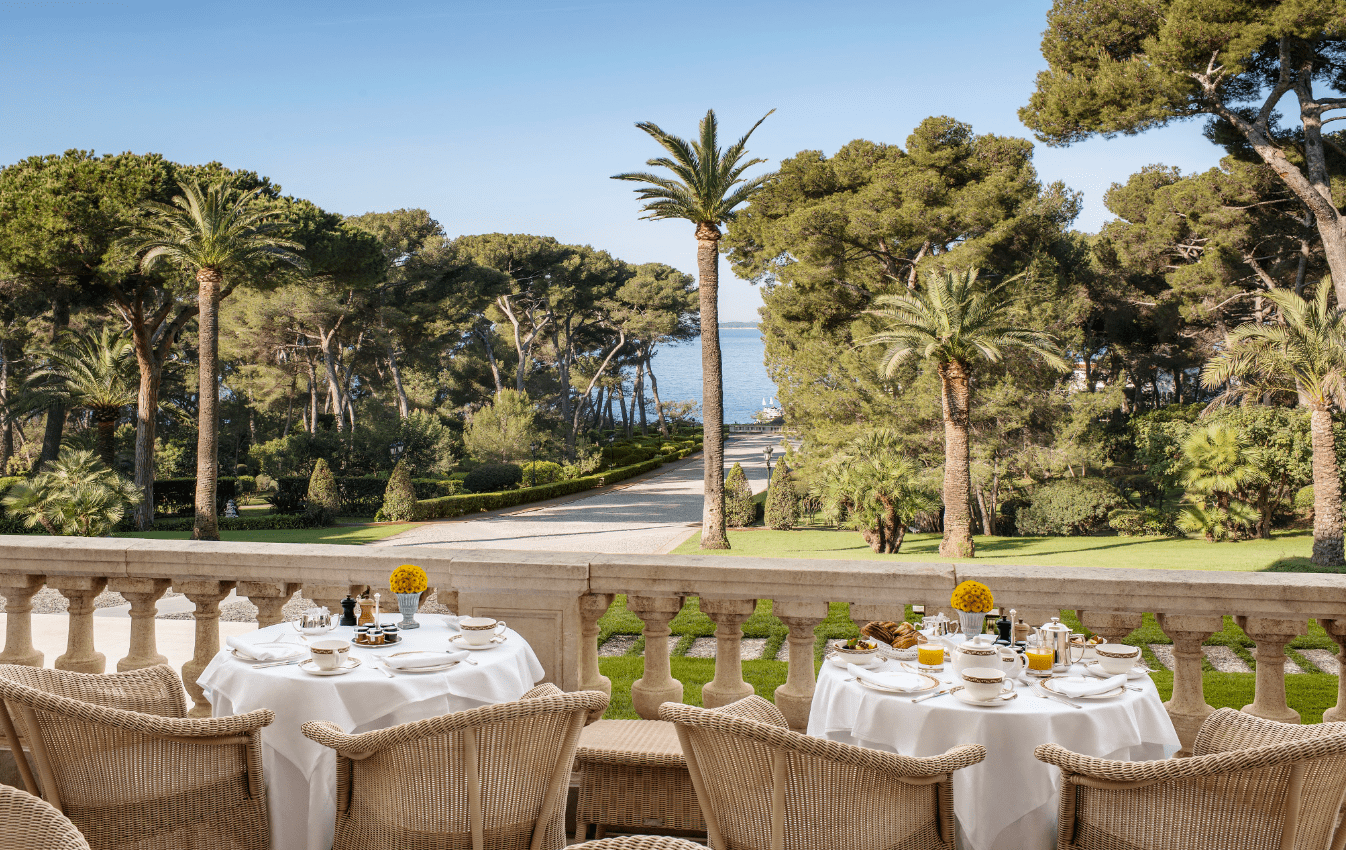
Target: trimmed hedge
x,y
266,522
363,495
177,495
453,506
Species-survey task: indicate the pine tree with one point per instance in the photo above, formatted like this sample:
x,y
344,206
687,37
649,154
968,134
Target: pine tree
x,y
739,510
782,505
399,498
324,500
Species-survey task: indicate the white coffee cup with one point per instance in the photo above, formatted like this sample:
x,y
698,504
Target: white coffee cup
x,y
1117,658
984,683
329,654
479,631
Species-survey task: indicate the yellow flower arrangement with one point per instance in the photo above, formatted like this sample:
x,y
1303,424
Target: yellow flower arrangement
x,y
408,578
972,596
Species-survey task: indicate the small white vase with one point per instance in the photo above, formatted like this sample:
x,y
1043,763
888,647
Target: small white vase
x,y
971,623
407,603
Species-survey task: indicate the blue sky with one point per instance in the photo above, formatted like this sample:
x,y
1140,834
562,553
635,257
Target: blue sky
x,y
511,116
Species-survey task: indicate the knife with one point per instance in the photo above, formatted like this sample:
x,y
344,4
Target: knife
x,y
938,693
1046,694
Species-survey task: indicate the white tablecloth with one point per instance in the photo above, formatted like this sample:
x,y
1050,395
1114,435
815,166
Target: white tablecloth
x,y
301,774
1010,799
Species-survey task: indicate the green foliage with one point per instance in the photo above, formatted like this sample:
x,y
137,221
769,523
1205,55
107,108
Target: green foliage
x,y
1216,523
1146,522
541,472
868,485
73,495
266,522
323,499
503,430
493,477
453,506
739,509
173,496
1069,506
399,499
782,504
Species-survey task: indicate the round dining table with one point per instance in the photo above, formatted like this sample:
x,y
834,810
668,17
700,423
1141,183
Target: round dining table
x,y
301,774
1011,798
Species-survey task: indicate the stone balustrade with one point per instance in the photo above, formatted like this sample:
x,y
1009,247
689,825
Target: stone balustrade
x,y
556,599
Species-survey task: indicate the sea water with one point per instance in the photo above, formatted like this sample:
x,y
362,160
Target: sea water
x,y
677,367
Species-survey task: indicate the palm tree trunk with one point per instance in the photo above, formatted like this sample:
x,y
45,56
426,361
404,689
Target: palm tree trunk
x,y
107,439
712,388
208,403
6,426
1327,541
957,542
147,406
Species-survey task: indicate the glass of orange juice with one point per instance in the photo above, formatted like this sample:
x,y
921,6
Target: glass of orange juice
x,y
1041,658
930,656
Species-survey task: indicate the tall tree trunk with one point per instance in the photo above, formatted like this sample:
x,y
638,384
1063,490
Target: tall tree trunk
x,y
329,361
712,388
658,405
957,542
312,423
638,396
987,527
289,407
403,407
55,426
6,426
621,402
484,334
206,527
1327,541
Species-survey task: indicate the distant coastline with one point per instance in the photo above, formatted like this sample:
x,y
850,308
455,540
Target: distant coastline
x,y
739,325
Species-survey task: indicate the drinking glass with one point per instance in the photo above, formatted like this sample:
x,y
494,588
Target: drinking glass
x,y
1041,658
930,656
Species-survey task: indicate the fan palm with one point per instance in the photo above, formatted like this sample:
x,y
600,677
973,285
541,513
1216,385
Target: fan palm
x,y
74,494
1217,464
1303,357
871,487
212,234
954,324
705,188
95,372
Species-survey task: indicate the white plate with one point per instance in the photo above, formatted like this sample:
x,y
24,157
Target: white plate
x,y
1133,673
1046,685
457,642
312,669
962,696
293,652
933,683
436,669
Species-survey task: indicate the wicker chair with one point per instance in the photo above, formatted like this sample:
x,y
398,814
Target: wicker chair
x,y
116,756
30,824
639,842
490,778
1250,784
763,787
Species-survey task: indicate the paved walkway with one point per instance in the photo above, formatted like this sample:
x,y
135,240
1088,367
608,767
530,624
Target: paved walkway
x,y
649,516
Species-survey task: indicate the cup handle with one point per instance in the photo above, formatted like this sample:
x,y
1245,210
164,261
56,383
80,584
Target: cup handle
x,y
499,628
1009,685
1070,653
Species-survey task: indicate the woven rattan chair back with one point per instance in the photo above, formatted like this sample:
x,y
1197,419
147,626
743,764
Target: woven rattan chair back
x,y
29,823
129,778
763,787
492,778
639,842
1250,784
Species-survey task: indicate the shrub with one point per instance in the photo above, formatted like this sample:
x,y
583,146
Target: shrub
x,y
76,494
399,498
452,506
493,477
433,488
782,505
1150,522
739,509
286,500
541,472
1069,506
1303,500
323,500
178,495
503,430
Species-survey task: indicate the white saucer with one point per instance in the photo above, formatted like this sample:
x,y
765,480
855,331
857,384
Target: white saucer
x,y
293,652
1133,673
457,642
312,669
988,703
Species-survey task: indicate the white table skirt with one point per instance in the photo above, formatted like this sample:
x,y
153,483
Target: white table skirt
x,y
1010,799
301,774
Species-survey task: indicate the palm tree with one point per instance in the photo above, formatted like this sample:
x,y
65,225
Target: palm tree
x,y
93,372
871,487
212,234
1303,357
706,187
75,494
954,324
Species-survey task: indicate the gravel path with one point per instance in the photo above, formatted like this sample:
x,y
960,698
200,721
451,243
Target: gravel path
x,y
644,517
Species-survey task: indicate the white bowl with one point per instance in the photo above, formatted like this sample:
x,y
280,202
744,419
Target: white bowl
x,y
842,656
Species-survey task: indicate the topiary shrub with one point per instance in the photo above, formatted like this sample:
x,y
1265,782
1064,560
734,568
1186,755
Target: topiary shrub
x,y
399,498
1069,507
1150,522
324,499
540,472
493,477
739,510
782,504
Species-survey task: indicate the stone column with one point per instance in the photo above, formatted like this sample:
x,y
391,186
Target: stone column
x,y
18,591
1271,636
1337,630
80,655
592,607
657,686
728,615
206,595
796,696
1187,708
142,593
1113,627
270,597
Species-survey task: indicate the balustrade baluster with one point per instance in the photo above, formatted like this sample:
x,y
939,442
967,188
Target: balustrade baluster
x,y
1113,627
270,597
728,615
1337,630
1271,636
1187,707
796,696
18,591
206,595
592,607
657,685
80,655
143,594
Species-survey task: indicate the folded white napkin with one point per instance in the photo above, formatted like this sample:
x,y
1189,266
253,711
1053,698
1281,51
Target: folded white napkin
x,y
1081,687
423,659
894,681
263,651
451,621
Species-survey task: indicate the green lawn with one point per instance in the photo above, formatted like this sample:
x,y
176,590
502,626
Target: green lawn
x,y
1285,551
347,534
